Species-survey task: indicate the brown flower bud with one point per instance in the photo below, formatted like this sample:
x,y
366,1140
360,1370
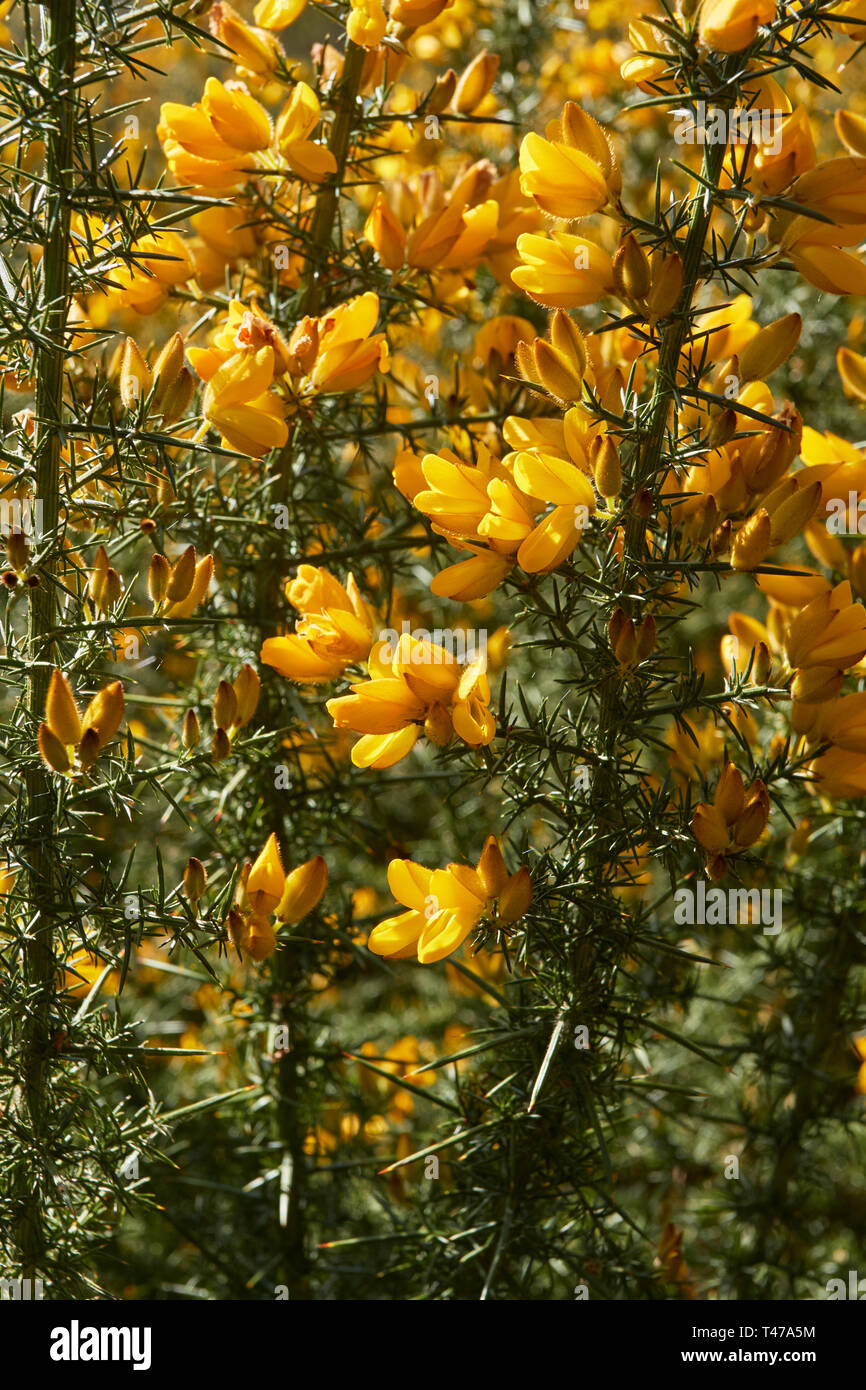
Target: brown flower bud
x,y
191,735
194,880
225,706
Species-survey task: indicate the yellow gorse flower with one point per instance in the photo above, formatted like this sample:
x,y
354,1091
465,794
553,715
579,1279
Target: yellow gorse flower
x,y
733,821
446,905
70,742
572,172
415,686
334,631
265,892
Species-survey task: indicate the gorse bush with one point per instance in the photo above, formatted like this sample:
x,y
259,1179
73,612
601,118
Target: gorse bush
x,y
433,630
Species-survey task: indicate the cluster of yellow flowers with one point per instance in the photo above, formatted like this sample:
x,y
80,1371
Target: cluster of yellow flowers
x,y
264,150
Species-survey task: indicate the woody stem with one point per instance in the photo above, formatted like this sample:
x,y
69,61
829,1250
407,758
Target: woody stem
x,y
57,57
322,229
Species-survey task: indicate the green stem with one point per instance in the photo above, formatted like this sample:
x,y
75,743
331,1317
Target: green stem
x,y
58,59
287,965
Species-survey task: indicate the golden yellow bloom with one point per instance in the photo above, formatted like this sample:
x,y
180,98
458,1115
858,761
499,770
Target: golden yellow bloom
x,y
446,905
829,631
645,69
238,403
266,890
838,773
772,169
385,234
851,129
735,819
414,13
334,631
564,179
295,123
852,370
255,48
278,14
472,579
69,741
303,890
729,26
366,23
836,188
347,351
562,271
416,686
475,82
770,347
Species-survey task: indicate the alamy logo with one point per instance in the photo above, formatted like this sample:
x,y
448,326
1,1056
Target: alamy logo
x,y
716,126
75,1343
21,1289
837,1291
847,518
24,516
715,907
443,644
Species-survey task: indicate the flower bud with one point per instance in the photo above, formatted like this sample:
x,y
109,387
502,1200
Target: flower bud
x,y
607,469
61,711
254,48
667,286
516,897
770,347
645,639
167,367
174,403
52,750
303,890
622,637
191,734
491,868
225,706
247,688
194,880
385,234
182,575
556,373
104,713
752,541
762,664
631,271
18,551
135,377
567,338
158,574
441,93
475,82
